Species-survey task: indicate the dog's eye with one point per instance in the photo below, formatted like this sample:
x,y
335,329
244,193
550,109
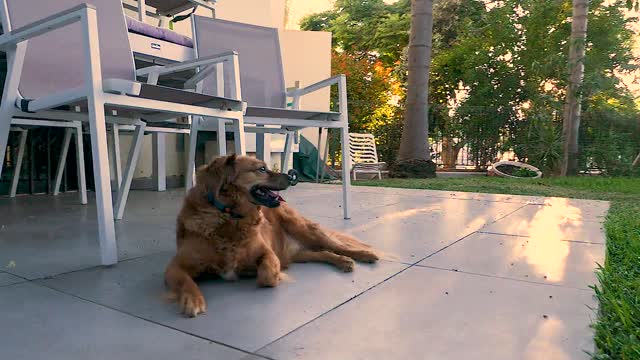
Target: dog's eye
x,y
262,169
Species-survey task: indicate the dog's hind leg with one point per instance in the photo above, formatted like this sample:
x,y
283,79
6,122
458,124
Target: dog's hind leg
x,y
179,280
343,263
311,236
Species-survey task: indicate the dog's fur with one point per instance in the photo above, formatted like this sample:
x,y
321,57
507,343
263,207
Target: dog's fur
x,y
256,241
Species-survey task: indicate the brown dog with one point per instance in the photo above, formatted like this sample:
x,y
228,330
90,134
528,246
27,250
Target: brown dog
x,y
233,224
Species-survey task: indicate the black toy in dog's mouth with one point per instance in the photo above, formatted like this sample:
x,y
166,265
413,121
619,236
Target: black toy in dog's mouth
x,y
266,196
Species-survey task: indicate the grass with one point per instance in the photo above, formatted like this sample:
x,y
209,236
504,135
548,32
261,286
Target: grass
x,y
618,324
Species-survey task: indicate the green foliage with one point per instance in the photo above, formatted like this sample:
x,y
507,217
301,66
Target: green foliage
x,y
524,173
363,27
618,325
371,90
541,144
498,76
610,134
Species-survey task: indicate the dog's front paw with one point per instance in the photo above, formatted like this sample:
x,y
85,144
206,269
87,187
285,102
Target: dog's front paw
x,y
268,279
366,256
191,304
345,264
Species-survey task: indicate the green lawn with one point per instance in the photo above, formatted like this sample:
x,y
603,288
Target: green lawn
x,y
618,324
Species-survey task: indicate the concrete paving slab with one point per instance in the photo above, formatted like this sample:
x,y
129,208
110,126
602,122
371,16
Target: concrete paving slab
x,y
560,221
41,323
45,235
239,313
434,314
415,228
540,259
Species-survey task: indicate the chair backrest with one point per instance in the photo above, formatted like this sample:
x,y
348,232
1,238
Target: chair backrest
x,y
362,148
56,61
258,48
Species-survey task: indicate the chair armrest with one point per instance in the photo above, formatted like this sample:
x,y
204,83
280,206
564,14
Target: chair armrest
x,y
45,25
334,80
187,65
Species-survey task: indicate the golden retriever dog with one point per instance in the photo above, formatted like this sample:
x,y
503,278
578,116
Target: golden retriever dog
x,y
233,223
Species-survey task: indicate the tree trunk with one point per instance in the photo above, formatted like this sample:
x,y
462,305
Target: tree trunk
x,y
414,144
450,151
572,106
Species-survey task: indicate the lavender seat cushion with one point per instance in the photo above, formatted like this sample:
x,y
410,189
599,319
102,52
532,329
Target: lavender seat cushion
x,y
145,29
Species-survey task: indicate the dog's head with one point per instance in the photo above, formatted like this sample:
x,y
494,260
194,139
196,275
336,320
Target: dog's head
x,y
244,179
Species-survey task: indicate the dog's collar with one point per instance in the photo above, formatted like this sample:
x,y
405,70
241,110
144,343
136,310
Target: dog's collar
x,y
222,207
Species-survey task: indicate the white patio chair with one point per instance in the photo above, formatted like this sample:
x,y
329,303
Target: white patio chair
x,y
72,129
263,87
364,155
84,64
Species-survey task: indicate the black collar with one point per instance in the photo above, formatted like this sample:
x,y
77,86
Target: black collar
x,y
222,207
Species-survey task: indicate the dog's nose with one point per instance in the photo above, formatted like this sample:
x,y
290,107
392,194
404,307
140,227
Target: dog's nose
x,y
293,177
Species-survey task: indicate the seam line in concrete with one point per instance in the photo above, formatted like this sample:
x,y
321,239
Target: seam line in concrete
x,y
504,278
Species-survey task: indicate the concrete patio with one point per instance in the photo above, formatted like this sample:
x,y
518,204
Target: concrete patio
x,y
467,276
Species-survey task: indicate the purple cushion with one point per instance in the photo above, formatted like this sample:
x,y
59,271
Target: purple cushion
x,y
145,29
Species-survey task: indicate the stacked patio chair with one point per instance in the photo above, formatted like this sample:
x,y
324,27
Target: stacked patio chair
x,y
70,61
263,88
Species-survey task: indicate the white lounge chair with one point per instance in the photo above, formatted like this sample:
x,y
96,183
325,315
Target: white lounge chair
x,y
364,156
78,66
263,88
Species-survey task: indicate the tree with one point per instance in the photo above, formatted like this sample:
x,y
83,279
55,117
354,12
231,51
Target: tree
x,y
498,76
573,102
414,158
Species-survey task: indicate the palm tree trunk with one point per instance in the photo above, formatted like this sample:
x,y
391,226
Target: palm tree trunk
x,y
414,144
572,106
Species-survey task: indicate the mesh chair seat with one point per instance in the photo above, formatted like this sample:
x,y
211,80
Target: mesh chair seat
x,y
276,113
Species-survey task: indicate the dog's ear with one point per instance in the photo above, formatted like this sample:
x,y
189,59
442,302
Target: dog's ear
x,y
231,161
218,173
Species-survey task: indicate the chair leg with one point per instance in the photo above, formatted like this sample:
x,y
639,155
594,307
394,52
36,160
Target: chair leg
x,y
98,129
346,180
288,149
320,133
125,186
238,136
19,161
191,160
221,134
159,161
263,147
15,60
102,178
62,161
115,155
82,176
324,157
